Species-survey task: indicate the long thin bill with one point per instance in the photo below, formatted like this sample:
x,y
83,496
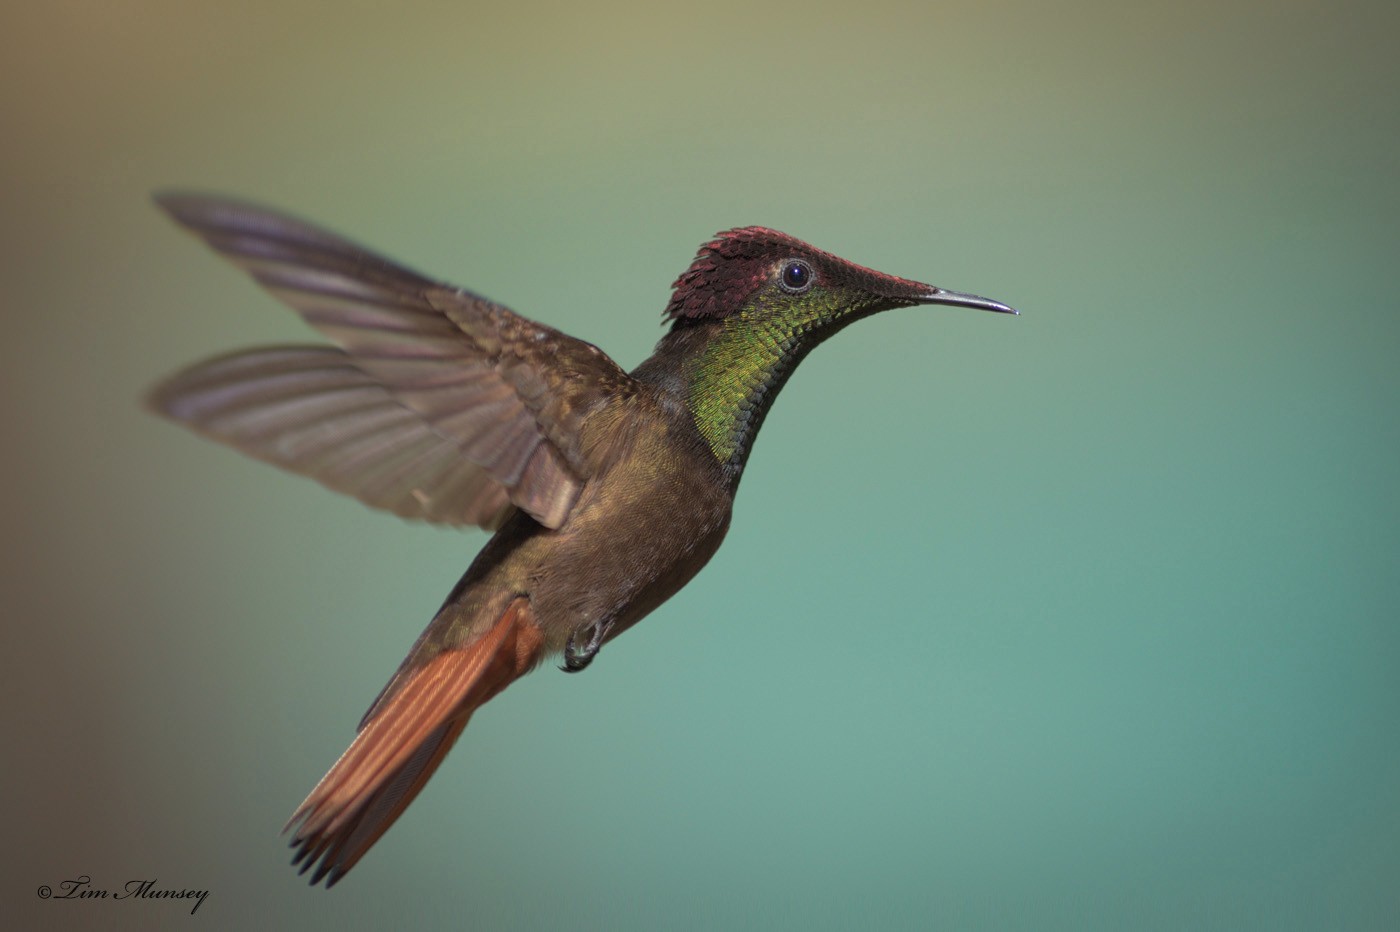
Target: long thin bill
x,y
961,299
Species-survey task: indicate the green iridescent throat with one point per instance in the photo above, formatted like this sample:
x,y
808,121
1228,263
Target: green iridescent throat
x,y
734,380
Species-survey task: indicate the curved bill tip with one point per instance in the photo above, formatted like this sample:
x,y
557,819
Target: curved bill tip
x,y
961,299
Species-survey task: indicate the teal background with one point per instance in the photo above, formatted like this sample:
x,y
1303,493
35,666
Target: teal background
x,y
1084,619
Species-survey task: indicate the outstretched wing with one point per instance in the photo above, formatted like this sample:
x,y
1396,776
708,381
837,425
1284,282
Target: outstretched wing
x,y
444,372
311,410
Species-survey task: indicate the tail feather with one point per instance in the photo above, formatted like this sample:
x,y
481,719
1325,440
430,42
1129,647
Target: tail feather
x,y
405,740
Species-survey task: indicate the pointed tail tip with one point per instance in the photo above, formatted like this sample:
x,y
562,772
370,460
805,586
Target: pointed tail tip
x,y
406,735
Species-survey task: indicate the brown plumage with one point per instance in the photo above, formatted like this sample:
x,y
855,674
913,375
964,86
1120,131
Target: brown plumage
x,y
404,738
608,491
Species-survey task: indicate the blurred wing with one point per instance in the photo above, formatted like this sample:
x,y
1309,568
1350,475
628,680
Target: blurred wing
x,y
310,410
511,395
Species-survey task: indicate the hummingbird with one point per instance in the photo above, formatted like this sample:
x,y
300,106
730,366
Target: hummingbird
x,y
607,491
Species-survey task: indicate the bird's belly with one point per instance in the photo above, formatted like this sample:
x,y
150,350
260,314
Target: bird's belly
x,y
635,539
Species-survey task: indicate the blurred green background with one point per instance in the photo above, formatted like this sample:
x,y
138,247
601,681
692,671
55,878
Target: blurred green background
x,y
1082,619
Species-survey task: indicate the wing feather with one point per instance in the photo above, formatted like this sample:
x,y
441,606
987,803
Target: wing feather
x,y
510,395
310,410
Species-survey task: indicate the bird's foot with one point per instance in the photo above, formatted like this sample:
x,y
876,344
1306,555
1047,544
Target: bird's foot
x,y
576,656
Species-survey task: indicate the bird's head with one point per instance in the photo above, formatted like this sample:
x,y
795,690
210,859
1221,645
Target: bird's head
x,y
765,275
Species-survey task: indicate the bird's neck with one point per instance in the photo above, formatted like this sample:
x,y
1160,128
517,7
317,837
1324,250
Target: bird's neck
x,y
726,373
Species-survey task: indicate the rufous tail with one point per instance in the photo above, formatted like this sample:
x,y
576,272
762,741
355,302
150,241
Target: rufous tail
x,y
400,746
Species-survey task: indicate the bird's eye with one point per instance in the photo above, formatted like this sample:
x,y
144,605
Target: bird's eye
x,y
796,276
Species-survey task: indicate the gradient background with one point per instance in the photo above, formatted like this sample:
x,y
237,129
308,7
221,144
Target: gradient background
x,y
1082,619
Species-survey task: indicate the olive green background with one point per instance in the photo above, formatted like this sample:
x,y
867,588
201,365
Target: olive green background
x,y
1083,619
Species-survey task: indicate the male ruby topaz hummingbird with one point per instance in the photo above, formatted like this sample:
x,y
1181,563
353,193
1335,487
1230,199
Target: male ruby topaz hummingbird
x,y
607,490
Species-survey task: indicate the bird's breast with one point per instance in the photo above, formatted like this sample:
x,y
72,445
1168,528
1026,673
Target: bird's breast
x,y
651,516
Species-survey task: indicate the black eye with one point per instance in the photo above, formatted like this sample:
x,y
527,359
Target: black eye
x,y
796,276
